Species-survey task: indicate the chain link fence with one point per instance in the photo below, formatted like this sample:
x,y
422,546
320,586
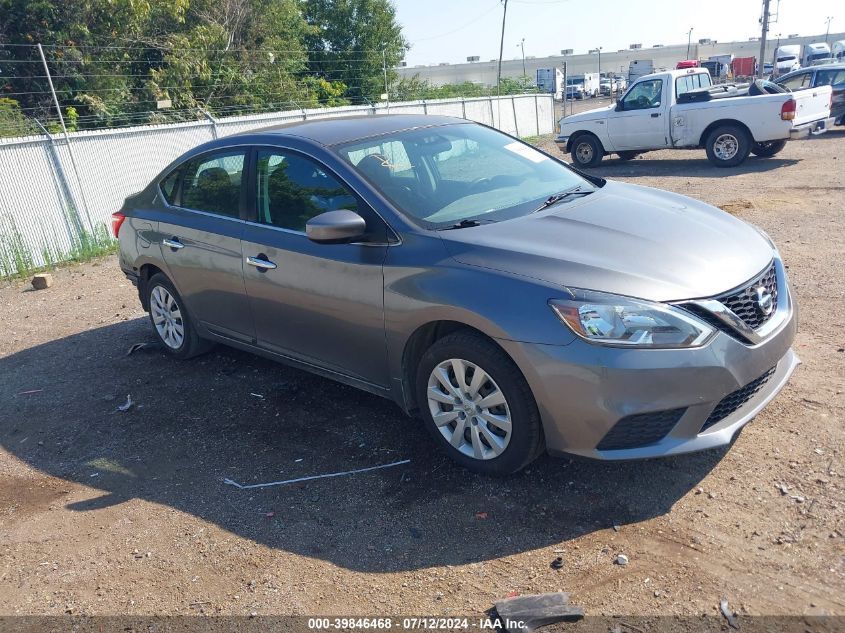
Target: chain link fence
x,y
58,192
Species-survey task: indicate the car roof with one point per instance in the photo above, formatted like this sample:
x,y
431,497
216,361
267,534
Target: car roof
x,y
336,130
809,69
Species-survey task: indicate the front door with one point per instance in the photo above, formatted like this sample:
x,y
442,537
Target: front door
x,y
319,303
200,236
641,123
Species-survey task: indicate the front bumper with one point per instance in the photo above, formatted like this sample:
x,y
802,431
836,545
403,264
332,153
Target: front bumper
x,y
562,142
811,129
583,390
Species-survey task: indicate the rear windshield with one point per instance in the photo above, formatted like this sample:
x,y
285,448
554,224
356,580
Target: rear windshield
x,y
691,82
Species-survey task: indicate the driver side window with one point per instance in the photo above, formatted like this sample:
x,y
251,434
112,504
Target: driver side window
x,y
644,95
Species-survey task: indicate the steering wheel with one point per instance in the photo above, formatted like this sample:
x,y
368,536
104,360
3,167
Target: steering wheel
x,y
763,87
478,182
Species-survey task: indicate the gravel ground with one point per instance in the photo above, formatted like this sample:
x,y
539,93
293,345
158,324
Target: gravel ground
x,y
107,512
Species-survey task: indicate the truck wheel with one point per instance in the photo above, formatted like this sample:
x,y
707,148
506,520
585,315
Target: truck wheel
x,y
727,146
767,149
627,155
586,151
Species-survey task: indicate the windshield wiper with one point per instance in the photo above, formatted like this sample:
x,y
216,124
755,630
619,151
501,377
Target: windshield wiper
x,y
560,197
465,224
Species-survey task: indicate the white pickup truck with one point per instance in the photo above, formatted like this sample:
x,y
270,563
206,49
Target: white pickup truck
x,y
682,109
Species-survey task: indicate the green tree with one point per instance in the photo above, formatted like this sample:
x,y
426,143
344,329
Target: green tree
x,y
351,41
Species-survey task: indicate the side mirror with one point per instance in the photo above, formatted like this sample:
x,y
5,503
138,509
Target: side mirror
x,y
335,227
619,106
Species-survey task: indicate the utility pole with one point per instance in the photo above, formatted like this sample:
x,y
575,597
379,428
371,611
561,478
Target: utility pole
x,y
765,29
599,50
689,40
501,49
827,32
522,45
384,67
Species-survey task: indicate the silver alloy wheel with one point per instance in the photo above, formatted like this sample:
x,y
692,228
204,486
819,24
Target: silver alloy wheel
x,y
167,317
469,409
725,146
584,151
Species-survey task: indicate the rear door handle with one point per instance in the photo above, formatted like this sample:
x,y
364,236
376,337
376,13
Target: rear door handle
x,y
654,115
173,243
261,263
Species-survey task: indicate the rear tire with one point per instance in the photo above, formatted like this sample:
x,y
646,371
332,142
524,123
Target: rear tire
x,y
728,146
171,321
627,155
455,377
767,149
586,151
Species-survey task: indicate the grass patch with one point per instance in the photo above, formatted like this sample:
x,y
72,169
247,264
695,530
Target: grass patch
x,y
18,262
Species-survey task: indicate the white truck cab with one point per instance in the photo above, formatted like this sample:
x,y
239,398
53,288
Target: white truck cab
x,y
682,109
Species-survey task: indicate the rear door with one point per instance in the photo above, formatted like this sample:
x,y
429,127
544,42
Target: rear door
x,y
319,303
642,122
201,241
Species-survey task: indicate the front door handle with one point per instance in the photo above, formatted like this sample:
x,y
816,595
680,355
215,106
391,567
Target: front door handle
x,y
654,115
261,263
173,243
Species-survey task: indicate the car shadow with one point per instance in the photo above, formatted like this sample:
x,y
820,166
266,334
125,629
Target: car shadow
x,y
233,415
650,167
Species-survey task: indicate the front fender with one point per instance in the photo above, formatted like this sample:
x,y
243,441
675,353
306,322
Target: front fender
x,y
501,305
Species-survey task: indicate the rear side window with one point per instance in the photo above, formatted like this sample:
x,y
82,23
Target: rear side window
x,y
691,82
797,82
168,185
213,184
830,77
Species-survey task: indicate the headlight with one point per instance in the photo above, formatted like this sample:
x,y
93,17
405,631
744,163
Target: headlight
x,y
609,319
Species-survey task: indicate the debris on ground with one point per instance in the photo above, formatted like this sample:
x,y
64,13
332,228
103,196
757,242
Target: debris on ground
x,y
234,483
42,281
557,563
136,347
536,610
729,615
480,515
126,405
29,392
621,560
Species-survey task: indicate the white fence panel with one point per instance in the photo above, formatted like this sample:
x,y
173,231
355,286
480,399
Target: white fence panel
x,y
45,204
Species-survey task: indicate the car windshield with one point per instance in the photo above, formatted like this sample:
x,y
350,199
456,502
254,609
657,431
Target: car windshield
x,y
574,80
443,176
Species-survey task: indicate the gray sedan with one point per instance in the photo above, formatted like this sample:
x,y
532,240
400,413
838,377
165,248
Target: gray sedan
x,y
514,304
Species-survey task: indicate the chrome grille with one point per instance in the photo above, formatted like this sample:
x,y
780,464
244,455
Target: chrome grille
x,y
743,302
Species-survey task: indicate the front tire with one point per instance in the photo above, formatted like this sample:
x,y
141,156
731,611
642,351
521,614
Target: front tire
x,y
477,405
171,321
767,149
586,151
728,146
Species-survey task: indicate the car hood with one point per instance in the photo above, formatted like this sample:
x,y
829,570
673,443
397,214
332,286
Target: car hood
x,y
625,239
589,115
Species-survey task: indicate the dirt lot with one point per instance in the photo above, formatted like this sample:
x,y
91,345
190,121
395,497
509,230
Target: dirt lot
x,y
107,512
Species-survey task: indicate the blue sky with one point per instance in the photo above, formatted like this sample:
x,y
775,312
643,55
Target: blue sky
x,y
450,30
